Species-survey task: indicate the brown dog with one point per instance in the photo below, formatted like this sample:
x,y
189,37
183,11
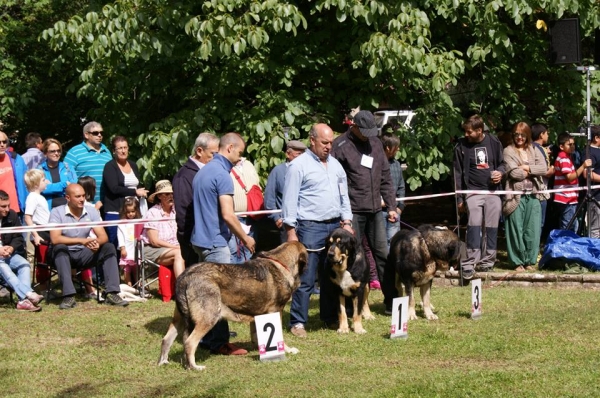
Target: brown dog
x,y
208,292
416,255
348,271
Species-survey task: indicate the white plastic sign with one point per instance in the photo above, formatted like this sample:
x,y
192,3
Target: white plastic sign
x,y
270,337
476,299
399,318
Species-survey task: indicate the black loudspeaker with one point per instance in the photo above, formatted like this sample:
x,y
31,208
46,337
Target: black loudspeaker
x,y
565,47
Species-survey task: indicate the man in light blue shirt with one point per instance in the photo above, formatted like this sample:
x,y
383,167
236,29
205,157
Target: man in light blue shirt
x,y
315,202
90,157
276,182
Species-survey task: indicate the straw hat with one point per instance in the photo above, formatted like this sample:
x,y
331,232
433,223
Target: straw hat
x,y
162,186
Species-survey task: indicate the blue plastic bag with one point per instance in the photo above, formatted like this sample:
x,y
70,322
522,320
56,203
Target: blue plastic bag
x,y
572,247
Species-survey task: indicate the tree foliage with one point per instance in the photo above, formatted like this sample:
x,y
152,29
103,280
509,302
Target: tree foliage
x,y
161,71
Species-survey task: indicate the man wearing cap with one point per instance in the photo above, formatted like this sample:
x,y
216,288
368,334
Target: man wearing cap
x,y
362,155
90,157
315,202
274,188
205,147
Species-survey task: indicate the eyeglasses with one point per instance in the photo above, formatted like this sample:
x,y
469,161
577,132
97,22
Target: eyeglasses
x,y
96,133
3,142
57,151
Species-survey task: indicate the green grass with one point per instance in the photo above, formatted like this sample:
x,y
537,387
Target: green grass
x,y
529,343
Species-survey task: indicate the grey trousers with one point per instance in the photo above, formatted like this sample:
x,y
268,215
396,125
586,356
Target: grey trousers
x,y
65,259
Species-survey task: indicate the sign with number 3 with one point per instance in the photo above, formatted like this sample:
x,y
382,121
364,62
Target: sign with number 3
x,y
476,308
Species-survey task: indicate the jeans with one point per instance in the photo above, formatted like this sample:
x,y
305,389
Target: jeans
x,y
219,334
16,272
313,234
391,228
566,213
112,232
239,252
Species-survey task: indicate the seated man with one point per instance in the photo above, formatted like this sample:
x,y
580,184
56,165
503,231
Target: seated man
x,y
13,267
80,249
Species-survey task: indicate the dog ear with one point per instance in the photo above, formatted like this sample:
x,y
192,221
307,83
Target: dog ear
x,y
302,260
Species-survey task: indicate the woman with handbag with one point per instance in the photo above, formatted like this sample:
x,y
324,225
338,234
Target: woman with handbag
x,y
525,167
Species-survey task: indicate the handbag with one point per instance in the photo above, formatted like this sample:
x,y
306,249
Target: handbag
x,y
254,197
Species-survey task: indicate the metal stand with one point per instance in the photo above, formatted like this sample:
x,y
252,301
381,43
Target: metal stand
x,y
589,199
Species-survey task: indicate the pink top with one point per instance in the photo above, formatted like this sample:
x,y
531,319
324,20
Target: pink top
x,y
167,230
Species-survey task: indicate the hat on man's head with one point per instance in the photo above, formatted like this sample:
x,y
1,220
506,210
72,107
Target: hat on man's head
x,y
162,186
365,121
296,145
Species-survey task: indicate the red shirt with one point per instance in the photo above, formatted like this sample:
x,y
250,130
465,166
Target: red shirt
x,y
7,181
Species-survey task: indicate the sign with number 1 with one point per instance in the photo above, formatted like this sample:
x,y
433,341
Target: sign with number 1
x,y
399,318
476,299
270,337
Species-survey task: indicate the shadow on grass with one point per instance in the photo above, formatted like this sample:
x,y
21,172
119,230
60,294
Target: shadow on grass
x,y
159,325
80,390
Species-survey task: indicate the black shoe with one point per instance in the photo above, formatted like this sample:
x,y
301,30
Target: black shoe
x,y
68,303
484,268
115,299
468,274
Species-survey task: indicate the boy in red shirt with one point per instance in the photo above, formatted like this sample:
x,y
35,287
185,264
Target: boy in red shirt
x,y
566,176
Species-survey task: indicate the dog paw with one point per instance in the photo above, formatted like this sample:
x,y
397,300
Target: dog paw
x,y
196,367
369,317
343,330
431,316
292,350
412,316
162,362
360,331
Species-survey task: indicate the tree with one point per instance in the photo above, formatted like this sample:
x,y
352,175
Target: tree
x,y
163,71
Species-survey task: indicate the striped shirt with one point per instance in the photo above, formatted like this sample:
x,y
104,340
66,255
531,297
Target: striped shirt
x,y
86,161
563,166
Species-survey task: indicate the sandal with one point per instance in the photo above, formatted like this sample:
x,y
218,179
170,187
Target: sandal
x,y
520,269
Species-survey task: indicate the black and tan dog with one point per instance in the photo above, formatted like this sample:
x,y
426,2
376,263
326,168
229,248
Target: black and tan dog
x,y
347,268
416,255
208,292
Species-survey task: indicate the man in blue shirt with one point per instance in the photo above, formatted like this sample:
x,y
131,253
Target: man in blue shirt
x,y
90,157
215,220
275,182
315,202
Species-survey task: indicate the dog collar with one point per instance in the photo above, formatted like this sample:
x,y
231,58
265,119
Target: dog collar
x,y
261,255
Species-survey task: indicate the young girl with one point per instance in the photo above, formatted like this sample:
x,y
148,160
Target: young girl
x,y
126,238
89,187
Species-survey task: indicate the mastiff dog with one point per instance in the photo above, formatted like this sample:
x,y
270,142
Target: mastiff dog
x,y
416,255
208,292
348,271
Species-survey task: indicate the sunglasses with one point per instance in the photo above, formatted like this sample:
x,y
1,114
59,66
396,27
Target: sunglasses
x,y
519,135
3,142
96,133
54,151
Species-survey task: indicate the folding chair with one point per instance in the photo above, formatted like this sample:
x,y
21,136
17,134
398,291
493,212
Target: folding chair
x,y
45,268
147,270
4,284
42,271
150,271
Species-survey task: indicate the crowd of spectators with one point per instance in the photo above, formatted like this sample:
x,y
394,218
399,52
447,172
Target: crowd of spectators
x,y
364,179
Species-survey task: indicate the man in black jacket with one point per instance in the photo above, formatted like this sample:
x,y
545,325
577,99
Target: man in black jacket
x,y
478,165
13,267
370,186
205,147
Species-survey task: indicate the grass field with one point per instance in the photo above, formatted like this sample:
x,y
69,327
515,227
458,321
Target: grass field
x,y
529,343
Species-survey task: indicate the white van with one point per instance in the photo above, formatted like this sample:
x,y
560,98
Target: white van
x,y
401,117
